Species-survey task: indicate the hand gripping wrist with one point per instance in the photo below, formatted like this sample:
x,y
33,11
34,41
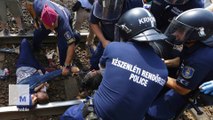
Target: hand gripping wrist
x,y
67,66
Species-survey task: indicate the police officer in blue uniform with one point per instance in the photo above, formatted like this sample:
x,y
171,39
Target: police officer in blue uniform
x,y
131,80
196,62
207,87
62,26
105,14
165,10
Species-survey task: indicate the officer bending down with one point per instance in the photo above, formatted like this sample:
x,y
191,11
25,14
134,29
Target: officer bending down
x,y
134,74
58,19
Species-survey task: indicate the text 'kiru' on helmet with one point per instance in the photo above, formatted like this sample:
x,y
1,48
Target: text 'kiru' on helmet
x,y
138,24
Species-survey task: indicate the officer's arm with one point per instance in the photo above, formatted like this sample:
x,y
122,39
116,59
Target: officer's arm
x,y
70,53
172,62
97,30
69,56
171,83
29,7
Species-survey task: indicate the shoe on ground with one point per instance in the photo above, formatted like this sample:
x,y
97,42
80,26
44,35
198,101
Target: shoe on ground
x,y
21,32
6,32
16,49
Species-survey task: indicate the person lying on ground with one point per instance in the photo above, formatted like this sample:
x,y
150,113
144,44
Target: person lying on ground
x,y
29,71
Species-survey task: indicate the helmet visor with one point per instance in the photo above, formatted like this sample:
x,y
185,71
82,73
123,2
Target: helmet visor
x,y
108,9
149,35
181,31
177,2
117,34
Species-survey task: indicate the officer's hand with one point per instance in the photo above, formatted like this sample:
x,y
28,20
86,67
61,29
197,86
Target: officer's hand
x,y
172,62
105,43
65,71
73,69
207,87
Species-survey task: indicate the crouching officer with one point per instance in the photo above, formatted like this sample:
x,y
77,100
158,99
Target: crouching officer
x,y
57,19
127,88
196,62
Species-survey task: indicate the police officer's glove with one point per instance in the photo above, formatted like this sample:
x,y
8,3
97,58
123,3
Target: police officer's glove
x,y
207,87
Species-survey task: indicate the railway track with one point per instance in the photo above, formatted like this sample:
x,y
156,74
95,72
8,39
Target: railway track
x,y
15,39
52,108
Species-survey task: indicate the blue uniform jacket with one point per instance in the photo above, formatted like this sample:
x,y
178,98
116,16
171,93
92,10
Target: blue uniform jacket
x,y
65,32
133,77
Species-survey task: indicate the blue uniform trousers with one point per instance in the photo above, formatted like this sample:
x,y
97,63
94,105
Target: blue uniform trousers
x,y
96,55
166,106
26,57
73,113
